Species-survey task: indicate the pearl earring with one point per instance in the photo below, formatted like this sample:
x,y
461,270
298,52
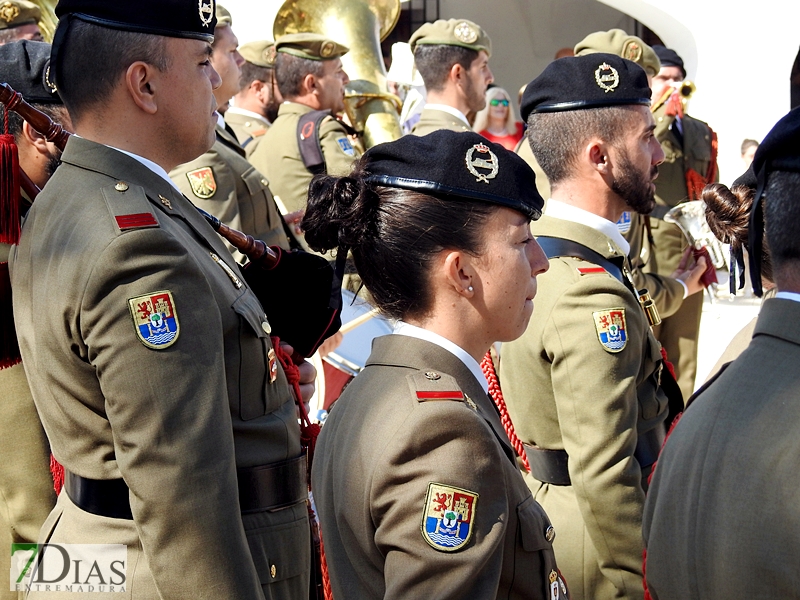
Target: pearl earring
x,y
471,289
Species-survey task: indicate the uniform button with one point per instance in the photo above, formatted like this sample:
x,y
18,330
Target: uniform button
x,y
432,375
121,186
273,571
247,124
550,534
266,327
264,181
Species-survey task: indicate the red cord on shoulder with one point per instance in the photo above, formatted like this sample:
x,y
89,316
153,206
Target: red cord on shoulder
x,y
496,394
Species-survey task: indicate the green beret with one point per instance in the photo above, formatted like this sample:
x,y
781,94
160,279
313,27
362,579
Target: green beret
x,y
224,18
312,46
452,32
616,41
14,13
260,53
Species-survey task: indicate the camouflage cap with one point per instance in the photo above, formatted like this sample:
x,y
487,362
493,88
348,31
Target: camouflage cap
x,y
14,13
224,18
260,53
616,41
452,32
312,46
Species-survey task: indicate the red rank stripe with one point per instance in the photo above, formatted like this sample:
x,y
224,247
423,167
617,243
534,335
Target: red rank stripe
x,y
587,270
440,395
137,220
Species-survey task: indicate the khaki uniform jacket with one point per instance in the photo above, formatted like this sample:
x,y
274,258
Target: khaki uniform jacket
x,y
223,183
249,130
720,520
433,120
565,391
278,155
378,452
175,422
26,487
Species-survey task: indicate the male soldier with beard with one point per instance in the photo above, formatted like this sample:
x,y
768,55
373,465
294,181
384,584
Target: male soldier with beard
x,y
583,384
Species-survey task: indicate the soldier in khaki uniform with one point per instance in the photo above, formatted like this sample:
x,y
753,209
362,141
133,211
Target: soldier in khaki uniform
x,y
582,383
690,157
452,57
221,181
26,487
19,20
256,104
316,84
416,483
720,520
148,355
667,292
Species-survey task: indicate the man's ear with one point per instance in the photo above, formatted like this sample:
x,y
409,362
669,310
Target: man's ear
x,y
596,153
456,73
142,86
310,84
35,139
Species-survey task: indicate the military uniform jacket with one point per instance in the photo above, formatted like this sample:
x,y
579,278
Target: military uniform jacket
x,y
278,155
223,183
249,129
720,520
382,449
566,390
107,239
432,120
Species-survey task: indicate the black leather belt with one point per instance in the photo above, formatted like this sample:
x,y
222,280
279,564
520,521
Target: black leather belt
x,y
551,466
268,487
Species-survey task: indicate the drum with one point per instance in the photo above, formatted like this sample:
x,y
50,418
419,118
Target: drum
x,y
360,325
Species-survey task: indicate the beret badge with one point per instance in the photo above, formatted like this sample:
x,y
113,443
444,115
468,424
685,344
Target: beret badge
x,y
327,49
477,162
607,77
465,33
632,51
8,12
206,10
270,55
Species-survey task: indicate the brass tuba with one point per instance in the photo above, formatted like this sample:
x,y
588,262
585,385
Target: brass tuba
x,y
49,21
360,25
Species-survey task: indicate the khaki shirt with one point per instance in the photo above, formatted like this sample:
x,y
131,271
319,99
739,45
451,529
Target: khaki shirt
x,y
175,421
432,120
566,391
720,518
380,450
278,155
223,183
249,129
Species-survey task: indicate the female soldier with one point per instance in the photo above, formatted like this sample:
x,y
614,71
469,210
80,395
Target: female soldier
x,y
416,484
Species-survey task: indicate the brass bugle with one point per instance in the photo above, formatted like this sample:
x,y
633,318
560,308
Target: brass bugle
x,y
684,89
256,250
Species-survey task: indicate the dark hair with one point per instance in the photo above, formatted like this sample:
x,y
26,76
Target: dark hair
x,y
251,73
57,112
558,138
290,71
434,62
393,234
93,58
781,216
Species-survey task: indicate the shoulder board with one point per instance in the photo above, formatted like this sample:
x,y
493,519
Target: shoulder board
x,y
590,270
129,206
433,386
258,132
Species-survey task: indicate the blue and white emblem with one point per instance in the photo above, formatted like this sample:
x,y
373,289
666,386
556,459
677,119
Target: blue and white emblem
x,y
155,319
448,517
346,146
611,329
624,223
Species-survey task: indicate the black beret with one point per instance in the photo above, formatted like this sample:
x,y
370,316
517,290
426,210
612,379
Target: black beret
x,y
456,165
25,65
669,58
193,19
589,81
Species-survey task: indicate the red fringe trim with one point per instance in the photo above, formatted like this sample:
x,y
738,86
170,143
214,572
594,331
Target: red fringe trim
x,y
9,190
496,394
57,471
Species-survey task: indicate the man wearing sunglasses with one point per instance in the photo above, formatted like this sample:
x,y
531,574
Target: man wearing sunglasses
x,y
453,58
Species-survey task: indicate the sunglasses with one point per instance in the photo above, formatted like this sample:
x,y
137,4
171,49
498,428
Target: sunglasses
x,y
498,102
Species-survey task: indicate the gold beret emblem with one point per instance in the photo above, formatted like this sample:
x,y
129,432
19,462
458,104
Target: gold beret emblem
x,y
51,87
474,163
8,12
270,54
466,33
327,49
607,77
206,10
632,51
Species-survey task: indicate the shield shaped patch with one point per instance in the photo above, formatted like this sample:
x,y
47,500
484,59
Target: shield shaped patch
x,y
611,329
155,319
202,181
448,517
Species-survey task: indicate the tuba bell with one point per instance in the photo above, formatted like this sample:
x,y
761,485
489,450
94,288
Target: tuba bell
x,y
682,91
690,217
360,25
